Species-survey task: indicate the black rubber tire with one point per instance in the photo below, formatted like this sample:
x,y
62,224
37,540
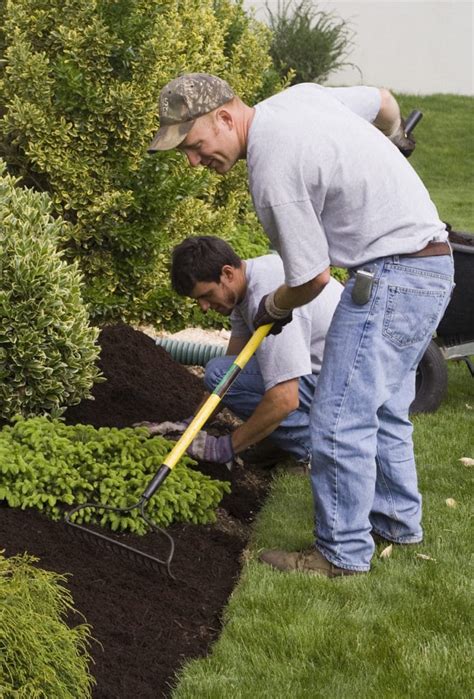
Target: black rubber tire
x,y
431,381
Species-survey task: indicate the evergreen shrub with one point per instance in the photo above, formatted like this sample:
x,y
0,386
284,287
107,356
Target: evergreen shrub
x,y
40,656
48,348
48,465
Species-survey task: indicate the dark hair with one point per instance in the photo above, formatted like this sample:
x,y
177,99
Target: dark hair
x,y
200,259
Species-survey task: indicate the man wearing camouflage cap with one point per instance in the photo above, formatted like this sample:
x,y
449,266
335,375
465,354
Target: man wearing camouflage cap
x,y
183,101
329,188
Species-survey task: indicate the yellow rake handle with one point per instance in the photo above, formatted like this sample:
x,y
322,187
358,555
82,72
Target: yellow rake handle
x,y
216,396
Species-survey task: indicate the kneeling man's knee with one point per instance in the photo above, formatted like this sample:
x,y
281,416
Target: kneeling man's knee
x,y
215,370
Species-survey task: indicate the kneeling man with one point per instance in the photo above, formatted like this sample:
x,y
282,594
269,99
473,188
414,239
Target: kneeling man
x,y
274,392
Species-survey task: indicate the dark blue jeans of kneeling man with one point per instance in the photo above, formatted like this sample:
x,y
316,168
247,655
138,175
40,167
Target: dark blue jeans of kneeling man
x,y
363,467
293,434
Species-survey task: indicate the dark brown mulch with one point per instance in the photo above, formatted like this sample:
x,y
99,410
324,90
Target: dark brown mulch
x,y
147,624
143,383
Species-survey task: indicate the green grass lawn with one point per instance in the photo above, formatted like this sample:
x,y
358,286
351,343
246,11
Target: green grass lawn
x,y
444,154
404,631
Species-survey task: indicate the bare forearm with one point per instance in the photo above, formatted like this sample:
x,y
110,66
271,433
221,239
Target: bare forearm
x,y
275,405
388,119
256,428
295,296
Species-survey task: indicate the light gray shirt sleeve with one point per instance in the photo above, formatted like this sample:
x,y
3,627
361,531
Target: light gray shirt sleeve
x,y
307,259
298,349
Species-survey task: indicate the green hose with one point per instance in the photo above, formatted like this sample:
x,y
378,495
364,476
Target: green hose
x,y
194,353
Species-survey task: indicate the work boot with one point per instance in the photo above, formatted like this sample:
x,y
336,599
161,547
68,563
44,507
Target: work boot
x,y
309,561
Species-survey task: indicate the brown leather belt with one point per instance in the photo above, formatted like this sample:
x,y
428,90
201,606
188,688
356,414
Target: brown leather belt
x,y
430,250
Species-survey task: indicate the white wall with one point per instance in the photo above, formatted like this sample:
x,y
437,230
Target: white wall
x,y
413,46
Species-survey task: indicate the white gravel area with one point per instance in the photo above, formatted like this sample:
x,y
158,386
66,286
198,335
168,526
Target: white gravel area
x,y
199,335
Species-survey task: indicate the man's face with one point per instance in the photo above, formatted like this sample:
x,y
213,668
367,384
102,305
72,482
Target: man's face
x,y
212,143
220,296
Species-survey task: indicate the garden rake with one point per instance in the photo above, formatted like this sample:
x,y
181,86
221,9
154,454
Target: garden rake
x,y
166,467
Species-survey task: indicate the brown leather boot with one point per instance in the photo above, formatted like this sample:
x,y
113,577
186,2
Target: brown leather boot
x,y
309,561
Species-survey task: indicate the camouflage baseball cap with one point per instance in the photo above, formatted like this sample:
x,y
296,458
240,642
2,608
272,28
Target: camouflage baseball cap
x,y
182,101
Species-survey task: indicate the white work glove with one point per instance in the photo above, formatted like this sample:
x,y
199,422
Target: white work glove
x,y
165,428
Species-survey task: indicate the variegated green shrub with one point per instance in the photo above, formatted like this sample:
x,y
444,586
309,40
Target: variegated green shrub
x,y
79,93
48,348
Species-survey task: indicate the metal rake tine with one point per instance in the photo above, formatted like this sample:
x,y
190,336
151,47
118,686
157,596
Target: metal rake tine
x,y
109,543
153,525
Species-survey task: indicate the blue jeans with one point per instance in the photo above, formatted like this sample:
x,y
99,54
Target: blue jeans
x,y
293,434
363,468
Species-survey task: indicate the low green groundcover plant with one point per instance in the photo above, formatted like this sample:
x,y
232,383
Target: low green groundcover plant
x,y
48,465
40,656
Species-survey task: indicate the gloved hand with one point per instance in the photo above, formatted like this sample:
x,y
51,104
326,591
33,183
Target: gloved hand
x,y
218,450
405,144
268,312
204,446
165,428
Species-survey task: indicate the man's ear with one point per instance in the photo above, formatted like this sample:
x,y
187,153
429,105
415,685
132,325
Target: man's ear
x,y
225,118
228,272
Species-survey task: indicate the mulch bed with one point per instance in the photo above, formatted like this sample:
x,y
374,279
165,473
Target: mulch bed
x,y
146,624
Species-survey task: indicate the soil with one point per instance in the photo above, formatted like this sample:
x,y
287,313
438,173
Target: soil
x,y
143,383
146,625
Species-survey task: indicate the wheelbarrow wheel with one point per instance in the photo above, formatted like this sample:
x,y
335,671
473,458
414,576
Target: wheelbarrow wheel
x,y
431,381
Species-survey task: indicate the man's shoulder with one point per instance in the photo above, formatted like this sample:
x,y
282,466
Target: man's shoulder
x,y
263,274
264,268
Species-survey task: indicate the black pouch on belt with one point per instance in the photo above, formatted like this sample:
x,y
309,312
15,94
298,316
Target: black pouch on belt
x,y
364,281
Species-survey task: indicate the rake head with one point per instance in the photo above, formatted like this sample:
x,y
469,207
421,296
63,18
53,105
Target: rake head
x,y
115,546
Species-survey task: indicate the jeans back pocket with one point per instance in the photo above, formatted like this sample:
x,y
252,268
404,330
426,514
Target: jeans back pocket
x,y
411,315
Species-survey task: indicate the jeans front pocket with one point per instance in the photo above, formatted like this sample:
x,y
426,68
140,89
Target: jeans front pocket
x,y
411,315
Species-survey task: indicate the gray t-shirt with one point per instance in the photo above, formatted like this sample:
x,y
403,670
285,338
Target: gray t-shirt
x,y
329,187
298,349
